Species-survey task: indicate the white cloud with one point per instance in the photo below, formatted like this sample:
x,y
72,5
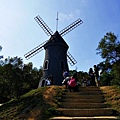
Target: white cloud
x,y
63,16
68,16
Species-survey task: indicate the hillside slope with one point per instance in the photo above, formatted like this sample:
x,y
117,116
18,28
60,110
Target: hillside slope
x,y
41,104
112,96
37,104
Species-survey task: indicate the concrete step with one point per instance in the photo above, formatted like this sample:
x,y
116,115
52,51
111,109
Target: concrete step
x,y
90,93
87,104
85,93
85,118
89,88
75,100
82,105
83,96
85,112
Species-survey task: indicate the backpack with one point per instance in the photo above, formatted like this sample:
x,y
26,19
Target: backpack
x,y
72,82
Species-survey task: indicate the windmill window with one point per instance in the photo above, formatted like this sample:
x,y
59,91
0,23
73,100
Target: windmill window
x,y
62,64
46,64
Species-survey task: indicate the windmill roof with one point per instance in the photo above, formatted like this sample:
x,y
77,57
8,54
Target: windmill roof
x,y
56,39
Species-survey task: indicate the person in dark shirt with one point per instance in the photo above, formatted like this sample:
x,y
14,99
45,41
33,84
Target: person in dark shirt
x,y
96,72
92,77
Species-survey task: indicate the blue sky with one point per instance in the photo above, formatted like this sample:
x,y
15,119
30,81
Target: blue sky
x,y
19,32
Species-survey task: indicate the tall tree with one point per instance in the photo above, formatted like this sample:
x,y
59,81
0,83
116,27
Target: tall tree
x,y
17,78
11,77
109,50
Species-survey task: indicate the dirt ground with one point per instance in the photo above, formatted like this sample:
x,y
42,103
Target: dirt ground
x,y
50,93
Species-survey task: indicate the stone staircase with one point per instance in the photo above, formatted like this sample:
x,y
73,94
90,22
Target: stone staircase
x,y
88,104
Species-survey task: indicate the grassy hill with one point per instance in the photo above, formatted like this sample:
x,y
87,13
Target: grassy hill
x,y
112,96
40,104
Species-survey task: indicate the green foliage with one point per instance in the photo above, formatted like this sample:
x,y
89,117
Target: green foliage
x,y
82,74
17,78
30,105
115,72
13,108
105,79
109,50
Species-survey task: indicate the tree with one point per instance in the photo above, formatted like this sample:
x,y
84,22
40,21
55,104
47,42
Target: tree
x,y
13,76
109,50
27,76
17,78
115,72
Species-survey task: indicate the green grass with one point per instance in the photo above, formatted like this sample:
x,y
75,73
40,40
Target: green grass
x,y
112,97
31,105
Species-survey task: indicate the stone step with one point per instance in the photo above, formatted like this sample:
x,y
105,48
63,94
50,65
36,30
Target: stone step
x,y
85,118
85,112
91,93
89,89
87,104
82,105
75,100
83,96
85,93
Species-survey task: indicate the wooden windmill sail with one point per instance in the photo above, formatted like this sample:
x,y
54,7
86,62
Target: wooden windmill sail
x,y
56,54
1,56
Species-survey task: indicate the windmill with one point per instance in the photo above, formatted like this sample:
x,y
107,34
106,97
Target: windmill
x,y
56,51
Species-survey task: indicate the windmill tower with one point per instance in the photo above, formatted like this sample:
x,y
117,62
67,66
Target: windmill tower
x,y
56,51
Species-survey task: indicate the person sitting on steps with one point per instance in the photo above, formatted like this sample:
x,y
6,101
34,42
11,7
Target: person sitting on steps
x,y
72,83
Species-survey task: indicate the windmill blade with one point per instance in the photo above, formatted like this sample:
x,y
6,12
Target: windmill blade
x,y
43,25
35,51
1,57
70,59
0,48
71,27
